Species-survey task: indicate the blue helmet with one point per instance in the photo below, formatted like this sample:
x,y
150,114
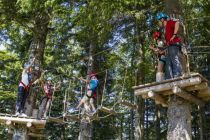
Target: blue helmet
x,y
161,15
49,78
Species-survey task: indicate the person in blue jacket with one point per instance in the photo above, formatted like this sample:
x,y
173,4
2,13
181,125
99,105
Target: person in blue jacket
x,y
91,94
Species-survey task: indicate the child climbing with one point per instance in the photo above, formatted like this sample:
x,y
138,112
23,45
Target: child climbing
x,y
160,51
91,94
23,88
49,88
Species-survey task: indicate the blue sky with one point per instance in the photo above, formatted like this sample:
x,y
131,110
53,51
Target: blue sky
x,y
2,47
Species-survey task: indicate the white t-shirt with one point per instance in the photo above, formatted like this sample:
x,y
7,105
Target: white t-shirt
x,y
24,78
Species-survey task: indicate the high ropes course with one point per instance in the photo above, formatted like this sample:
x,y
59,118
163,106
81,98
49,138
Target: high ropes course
x,y
34,125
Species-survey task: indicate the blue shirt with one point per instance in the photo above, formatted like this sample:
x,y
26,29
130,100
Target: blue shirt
x,y
93,84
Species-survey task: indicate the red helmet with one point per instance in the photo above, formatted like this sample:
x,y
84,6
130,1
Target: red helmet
x,y
156,34
92,74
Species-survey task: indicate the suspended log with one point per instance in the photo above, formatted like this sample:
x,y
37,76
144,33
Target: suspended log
x,y
56,120
107,110
158,98
167,86
35,135
128,104
187,96
73,117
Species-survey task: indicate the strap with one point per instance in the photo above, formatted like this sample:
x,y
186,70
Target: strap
x,y
25,87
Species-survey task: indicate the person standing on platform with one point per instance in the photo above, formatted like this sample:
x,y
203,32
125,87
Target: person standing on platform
x,y
173,67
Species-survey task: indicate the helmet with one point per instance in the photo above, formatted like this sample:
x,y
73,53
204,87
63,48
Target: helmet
x,y
92,74
161,15
49,78
156,34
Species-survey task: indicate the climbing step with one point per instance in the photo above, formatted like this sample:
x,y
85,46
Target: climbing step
x,y
107,110
128,104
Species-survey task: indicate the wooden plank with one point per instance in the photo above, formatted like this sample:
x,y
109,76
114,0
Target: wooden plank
x,y
128,104
34,122
187,96
107,110
167,86
171,80
158,98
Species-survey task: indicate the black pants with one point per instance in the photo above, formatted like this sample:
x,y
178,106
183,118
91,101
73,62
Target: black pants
x,y
173,66
21,99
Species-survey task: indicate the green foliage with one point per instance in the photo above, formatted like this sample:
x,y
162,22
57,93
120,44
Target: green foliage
x,y
119,34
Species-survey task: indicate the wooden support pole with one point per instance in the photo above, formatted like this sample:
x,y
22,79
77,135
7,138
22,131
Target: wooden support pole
x,y
158,98
187,96
200,86
167,86
29,124
8,122
204,93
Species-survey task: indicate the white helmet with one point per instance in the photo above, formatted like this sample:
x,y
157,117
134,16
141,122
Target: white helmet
x,y
49,78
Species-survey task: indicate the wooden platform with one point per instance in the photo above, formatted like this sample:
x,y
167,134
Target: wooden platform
x,y
193,88
29,122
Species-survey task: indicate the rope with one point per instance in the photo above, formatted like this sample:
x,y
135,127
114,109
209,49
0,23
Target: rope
x,y
102,98
123,87
51,103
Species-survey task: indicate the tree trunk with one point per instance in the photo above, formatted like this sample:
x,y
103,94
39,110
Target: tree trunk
x,y
86,126
36,50
157,122
139,101
202,123
179,126
20,133
179,120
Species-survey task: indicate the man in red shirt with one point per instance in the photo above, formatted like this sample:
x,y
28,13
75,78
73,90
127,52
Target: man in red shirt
x,y
173,42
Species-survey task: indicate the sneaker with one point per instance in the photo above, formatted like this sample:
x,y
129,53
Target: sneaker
x,y
73,110
17,113
23,115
